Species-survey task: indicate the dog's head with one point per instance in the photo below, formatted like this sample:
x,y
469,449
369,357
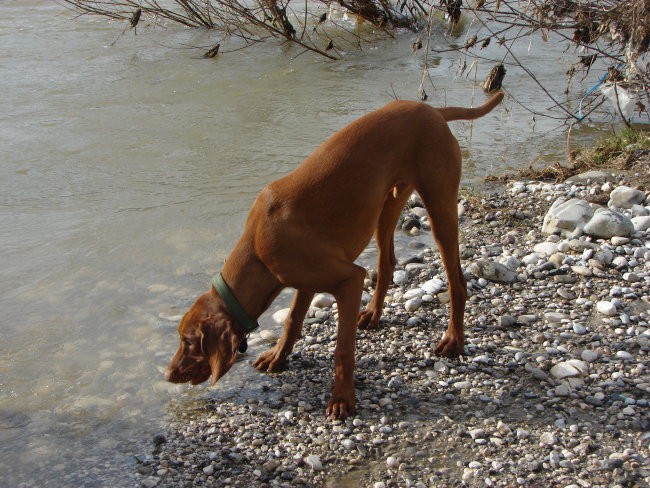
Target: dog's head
x,y
208,343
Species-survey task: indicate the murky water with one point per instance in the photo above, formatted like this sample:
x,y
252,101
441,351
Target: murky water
x,y
126,173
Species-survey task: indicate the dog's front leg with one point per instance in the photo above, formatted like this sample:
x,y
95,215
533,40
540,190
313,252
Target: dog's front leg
x,y
348,297
275,359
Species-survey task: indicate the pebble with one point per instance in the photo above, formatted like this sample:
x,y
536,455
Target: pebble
x,y
568,369
606,308
588,356
280,316
268,335
314,462
400,277
392,462
579,329
322,300
552,387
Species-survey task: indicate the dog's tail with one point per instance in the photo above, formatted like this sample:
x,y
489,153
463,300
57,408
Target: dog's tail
x,y
462,113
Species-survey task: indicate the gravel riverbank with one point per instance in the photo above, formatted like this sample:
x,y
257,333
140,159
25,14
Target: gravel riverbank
x,y
553,389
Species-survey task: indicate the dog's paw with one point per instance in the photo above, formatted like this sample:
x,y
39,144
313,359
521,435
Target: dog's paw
x,y
449,347
340,409
368,319
270,362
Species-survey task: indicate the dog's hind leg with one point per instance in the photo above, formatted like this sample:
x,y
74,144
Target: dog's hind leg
x,y
442,207
395,201
274,359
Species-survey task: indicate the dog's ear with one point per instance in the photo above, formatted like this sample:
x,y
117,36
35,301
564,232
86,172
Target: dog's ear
x,y
219,343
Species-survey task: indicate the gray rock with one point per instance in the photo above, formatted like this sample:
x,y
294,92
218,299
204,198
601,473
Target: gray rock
x,y
567,218
625,197
607,223
314,462
589,355
507,321
590,176
492,271
641,223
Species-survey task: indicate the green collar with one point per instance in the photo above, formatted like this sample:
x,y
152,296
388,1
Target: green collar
x,y
233,305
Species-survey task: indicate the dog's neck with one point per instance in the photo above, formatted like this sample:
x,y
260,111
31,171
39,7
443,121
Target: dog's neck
x,y
251,282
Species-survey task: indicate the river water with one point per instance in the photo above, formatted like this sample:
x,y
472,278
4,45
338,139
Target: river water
x,y
126,173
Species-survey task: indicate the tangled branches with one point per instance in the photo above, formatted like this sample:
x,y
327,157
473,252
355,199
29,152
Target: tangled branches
x,y
323,26
610,36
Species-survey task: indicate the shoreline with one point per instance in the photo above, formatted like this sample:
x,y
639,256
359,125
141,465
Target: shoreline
x,y
552,390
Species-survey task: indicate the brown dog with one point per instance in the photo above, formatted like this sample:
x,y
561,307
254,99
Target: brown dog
x,y
305,230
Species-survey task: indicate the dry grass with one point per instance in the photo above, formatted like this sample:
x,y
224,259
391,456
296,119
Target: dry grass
x,y
625,152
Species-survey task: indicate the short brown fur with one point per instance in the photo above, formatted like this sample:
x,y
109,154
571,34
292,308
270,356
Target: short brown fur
x,y
305,230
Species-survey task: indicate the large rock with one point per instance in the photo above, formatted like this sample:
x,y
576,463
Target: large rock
x,y
489,270
606,224
567,218
625,197
590,176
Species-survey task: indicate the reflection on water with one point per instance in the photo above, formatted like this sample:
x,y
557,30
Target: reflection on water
x,y
126,175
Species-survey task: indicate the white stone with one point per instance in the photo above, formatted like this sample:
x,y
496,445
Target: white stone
x,y
413,304
641,223
268,335
433,286
348,444
547,248
606,308
392,462
625,197
209,470
567,218
624,355
280,316
414,293
547,439
570,368
563,246
532,258
400,276
477,433
314,462
510,262
322,300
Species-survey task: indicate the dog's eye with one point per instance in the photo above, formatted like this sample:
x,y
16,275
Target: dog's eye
x,y
188,342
